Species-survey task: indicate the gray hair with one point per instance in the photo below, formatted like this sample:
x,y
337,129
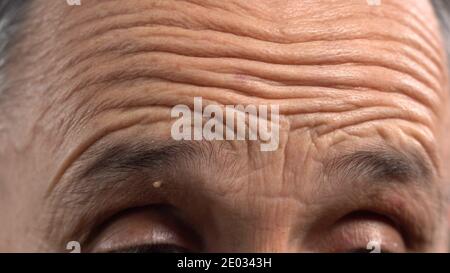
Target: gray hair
x,y
10,11
442,9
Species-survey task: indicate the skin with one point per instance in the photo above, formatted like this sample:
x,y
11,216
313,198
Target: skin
x,y
349,78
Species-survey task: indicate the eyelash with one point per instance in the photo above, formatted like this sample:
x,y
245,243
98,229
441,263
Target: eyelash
x,y
364,250
171,247
152,248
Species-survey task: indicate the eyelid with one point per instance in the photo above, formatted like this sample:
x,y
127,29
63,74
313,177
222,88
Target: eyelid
x,y
154,248
406,208
154,225
379,229
404,218
356,231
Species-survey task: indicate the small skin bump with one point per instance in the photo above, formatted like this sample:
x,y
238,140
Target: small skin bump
x,y
157,184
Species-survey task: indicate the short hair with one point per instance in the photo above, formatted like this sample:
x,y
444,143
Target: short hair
x,y
442,10
10,18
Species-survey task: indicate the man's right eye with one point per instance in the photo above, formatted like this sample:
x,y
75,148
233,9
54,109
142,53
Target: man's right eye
x,y
145,230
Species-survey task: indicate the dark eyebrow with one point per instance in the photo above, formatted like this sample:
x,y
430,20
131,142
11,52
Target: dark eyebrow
x,y
381,163
118,161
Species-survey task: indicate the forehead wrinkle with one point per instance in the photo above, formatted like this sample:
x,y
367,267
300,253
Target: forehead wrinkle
x,y
95,23
279,15
122,45
126,50
125,75
157,38
137,58
206,72
149,14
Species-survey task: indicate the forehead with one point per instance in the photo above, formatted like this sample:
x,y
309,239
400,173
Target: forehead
x,y
332,66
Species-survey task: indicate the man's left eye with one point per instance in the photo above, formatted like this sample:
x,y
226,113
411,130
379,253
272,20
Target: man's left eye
x,y
360,232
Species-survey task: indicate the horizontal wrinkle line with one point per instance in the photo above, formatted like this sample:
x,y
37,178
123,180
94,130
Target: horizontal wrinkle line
x,y
135,107
138,106
341,87
244,92
76,26
369,120
288,112
120,107
420,22
424,146
410,118
77,60
353,87
149,78
420,79
73,62
434,56
432,44
83,147
352,109
413,76
417,18
375,16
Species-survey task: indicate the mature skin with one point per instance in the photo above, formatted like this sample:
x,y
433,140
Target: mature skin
x,y
363,140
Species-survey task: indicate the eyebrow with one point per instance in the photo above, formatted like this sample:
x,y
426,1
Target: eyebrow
x,y
381,163
119,161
